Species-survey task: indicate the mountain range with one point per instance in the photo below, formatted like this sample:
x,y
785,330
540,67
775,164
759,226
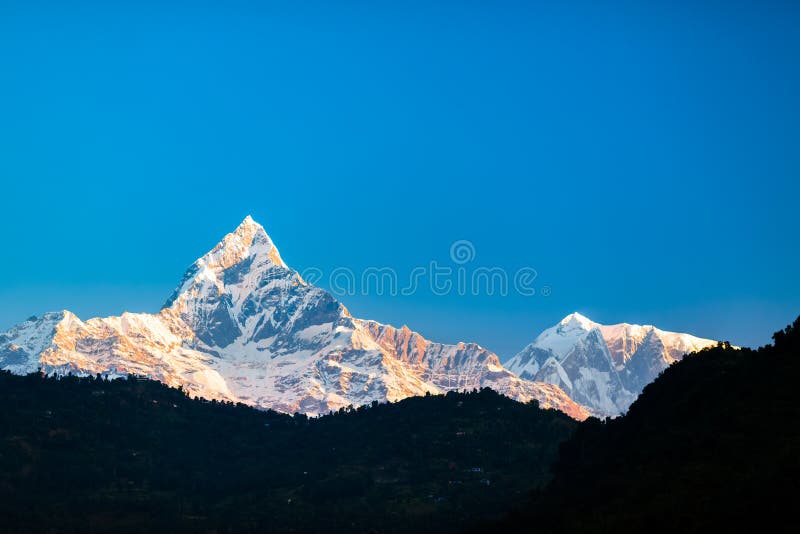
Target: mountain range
x,y
243,326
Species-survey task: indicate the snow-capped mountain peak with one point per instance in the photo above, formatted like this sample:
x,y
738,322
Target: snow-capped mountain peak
x,y
248,250
248,240
241,292
601,366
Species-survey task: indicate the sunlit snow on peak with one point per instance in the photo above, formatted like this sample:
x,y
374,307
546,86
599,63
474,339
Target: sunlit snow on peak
x,y
576,320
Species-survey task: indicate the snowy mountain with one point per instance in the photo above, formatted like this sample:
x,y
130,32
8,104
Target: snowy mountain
x,y
243,326
603,367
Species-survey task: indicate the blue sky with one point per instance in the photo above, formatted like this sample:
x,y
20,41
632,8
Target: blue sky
x,y
643,159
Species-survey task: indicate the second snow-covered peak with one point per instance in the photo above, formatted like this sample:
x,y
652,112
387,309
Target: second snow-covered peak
x,y
562,337
575,321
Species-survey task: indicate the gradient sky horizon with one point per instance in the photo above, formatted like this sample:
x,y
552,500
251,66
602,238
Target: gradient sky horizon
x,y
642,158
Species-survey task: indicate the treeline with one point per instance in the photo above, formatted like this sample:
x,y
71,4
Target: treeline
x,y
88,454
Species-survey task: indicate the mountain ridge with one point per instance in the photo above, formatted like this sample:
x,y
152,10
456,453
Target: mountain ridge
x,y
243,326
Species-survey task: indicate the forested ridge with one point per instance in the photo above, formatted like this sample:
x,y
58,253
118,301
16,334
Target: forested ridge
x,y
131,454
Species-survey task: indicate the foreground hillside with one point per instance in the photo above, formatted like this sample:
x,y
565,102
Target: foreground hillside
x,y
714,443
129,455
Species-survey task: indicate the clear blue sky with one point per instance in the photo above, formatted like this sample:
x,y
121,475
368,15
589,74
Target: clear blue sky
x,y
644,159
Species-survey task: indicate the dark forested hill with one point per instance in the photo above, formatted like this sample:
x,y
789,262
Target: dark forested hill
x,y
129,455
712,445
